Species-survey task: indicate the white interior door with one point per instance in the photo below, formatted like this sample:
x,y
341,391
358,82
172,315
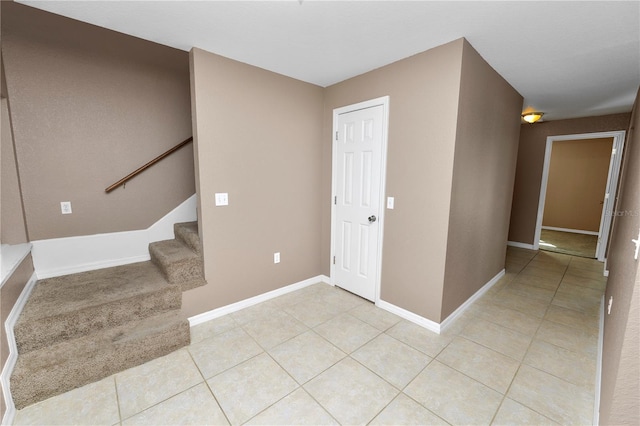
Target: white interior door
x,y
358,183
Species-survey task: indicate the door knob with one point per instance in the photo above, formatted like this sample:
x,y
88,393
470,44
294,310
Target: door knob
x,y
372,219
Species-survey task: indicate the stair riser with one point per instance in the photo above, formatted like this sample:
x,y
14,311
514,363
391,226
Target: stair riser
x,y
29,386
187,235
34,335
179,271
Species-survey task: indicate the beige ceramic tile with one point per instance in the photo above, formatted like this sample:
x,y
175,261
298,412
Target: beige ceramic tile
x,y
580,292
312,312
351,393
598,284
542,294
561,401
586,263
405,411
512,413
394,361
586,273
571,318
573,367
95,403
520,252
526,305
210,328
374,316
569,338
141,387
347,332
195,406
551,257
541,271
342,300
585,305
548,264
482,364
306,356
256,312
223,351
511,319
420,338
273,330
453,396
250,387
501,339
535,281
297,408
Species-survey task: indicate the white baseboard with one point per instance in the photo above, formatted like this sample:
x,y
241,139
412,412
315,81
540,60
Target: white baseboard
x,y
409,316
455,314
432,325
573,231
63,256
521,245
5,376
224,310
596,403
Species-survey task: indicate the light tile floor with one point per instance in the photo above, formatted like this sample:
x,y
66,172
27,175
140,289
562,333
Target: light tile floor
x,y
524,353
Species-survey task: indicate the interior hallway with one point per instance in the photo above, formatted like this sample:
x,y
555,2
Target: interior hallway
x,y
525,353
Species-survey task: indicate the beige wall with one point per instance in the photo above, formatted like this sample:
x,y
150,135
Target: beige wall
x,y
257,137
533,138
12,216
8,296
620,394
484,166
88,106
423,108
578,171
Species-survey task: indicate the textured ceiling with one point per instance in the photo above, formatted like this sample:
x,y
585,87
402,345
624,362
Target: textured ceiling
x,y
567,58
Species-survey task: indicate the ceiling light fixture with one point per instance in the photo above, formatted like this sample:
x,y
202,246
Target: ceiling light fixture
x,y
532,117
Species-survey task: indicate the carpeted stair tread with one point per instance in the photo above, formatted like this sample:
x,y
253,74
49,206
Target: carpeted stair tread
x,y
73,305
177,262
187,232
73,363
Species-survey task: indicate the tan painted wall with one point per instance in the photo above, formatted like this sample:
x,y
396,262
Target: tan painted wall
x,y
483,174
88,106
8,296
257,137
620,394
423,110
578,172
12,223
533,138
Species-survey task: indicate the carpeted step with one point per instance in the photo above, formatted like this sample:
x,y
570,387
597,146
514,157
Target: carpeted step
x,y
71,306
187,232
73,363
178,263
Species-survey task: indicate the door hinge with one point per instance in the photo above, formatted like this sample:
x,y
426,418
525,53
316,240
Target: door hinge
x,y
334,260
336,135
335,200
613,151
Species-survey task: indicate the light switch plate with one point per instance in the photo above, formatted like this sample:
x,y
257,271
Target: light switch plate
x,y
222,199
390,202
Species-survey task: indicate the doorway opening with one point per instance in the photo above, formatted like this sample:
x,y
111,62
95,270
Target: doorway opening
x,y
577,194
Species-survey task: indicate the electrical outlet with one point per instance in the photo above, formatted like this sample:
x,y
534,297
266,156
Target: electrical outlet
x,y
65,207
390,203
276,257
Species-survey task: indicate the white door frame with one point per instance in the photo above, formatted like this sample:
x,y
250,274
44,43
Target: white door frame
x,y
610,191
384,101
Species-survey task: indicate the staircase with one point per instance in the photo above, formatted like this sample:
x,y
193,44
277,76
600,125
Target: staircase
x,y
80,328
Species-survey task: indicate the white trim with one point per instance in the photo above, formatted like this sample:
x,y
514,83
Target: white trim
x,y
13,349
605,271
612,183
409,316
12,256
598,384
63,256
384,101
224,310
573,231
455,314
521,245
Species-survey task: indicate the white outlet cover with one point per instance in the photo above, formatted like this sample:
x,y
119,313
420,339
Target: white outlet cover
x,y
222,199
65,207
276,257
390,202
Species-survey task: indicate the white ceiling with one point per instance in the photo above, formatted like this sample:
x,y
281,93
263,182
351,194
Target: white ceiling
x,y
567,58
